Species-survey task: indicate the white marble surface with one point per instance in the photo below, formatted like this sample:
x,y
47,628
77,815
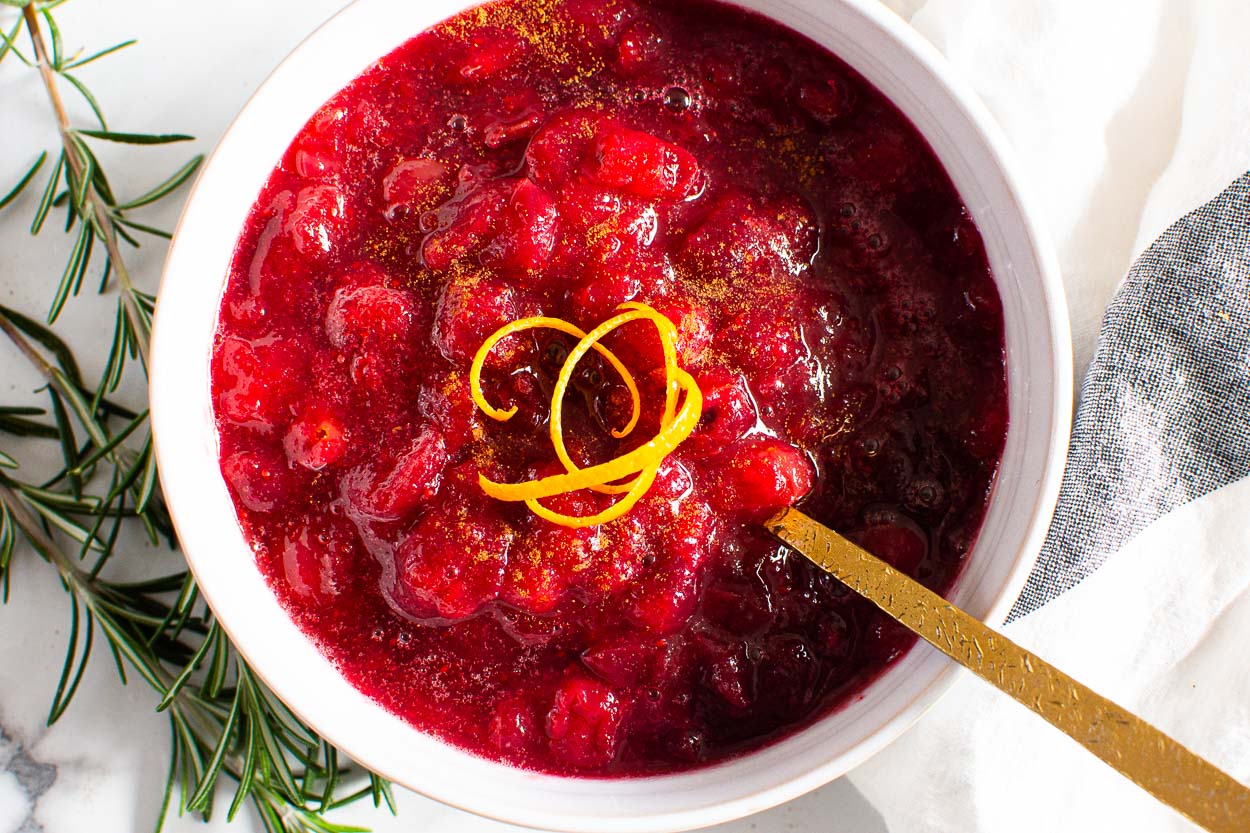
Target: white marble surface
x,y
1110,106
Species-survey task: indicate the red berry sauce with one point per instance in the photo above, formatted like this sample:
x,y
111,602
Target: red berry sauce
x,y
560,157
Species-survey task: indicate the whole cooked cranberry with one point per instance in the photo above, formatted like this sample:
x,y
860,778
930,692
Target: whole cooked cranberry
x,y
694,335
598,22
588,206
319,220
470,309
318,152
644,165
667,592
528,230
789,671
728,411
616,232
762,475
466,222
411,481
560,147
317,558
750,243
490,52
639,48
532,584
413,184
452,564
897,541
379,317
727,672
261,479
552,558
762,338
583,722
737,607
621,660
822,99
688,537
664,598
652,275
626,556
799,228
446,402
257,380
316,438
673,483
595,301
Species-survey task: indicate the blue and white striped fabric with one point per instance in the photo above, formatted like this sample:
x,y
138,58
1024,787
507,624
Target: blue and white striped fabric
x,y
1164,413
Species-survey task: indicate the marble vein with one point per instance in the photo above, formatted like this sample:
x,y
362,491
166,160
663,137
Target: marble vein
x,y
33,778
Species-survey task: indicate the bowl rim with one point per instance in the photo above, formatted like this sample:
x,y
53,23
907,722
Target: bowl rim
x,y
1046,490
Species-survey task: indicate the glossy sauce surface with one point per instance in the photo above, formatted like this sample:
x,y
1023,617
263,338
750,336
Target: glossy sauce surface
x,y
561,157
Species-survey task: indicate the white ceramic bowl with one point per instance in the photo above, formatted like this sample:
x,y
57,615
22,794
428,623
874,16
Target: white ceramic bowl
x,y
912,74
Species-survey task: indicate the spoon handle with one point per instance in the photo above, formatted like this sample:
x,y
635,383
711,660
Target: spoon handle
x,y
1139,751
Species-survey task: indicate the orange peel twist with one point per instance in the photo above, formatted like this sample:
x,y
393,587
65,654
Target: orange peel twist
x,y
643,463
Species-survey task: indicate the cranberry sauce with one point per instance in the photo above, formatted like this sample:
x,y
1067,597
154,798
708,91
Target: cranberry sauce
x,y
560,157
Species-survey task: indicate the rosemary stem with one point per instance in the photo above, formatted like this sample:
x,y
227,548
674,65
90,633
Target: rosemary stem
x,y
74,575
14,335
55,380
100,216
46,71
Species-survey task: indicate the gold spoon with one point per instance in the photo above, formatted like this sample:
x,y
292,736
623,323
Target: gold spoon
x,y
1137,750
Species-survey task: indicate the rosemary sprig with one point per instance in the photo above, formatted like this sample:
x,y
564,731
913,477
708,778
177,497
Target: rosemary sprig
x,y
224,722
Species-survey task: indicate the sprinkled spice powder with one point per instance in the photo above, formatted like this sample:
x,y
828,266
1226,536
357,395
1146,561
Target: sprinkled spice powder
x,y
831,300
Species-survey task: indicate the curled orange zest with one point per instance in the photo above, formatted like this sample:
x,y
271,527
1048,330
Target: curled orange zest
x,y
643,463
